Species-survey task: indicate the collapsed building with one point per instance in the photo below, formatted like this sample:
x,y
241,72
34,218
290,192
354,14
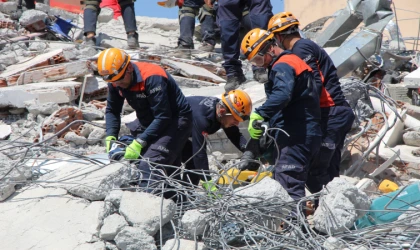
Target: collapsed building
x,y
59,191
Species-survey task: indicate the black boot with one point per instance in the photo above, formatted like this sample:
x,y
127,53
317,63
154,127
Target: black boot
x,y
234,81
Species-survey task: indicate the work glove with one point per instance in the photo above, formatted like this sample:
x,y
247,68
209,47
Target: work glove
x,y
132,152
108,142
247,162
254,127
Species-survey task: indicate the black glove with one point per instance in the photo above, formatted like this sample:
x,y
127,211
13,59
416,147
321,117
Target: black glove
x,y
247,162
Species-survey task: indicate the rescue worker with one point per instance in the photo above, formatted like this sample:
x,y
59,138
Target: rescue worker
x,y
209,115
187,13
90,18
229,15
292,105
161,108
336,115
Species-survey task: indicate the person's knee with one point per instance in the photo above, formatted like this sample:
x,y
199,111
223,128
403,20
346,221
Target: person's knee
x,y
187,12
92,5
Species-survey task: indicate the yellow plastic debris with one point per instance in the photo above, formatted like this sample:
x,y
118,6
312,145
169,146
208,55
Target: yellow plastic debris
x,y
388,186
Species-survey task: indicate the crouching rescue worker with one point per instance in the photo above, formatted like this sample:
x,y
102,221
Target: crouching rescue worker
x,y
162,110
336,115
209,115
292,105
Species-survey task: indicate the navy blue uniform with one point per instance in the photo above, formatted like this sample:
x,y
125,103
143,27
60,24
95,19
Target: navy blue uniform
x,y
205,121
164,115
336,115
229,15
292,105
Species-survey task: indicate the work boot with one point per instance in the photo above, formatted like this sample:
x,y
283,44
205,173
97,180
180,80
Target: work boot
x,y
133,40
234,81
207,47
90,41
261,75
181,52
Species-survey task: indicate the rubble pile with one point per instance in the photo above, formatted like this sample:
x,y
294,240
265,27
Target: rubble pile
x,y
59,190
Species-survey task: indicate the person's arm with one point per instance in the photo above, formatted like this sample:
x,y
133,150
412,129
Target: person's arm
x,y
235,136
113,110
281,92
199,147
157,96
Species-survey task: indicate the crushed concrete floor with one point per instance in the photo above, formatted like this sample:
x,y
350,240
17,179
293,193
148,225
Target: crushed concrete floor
x,y
58,189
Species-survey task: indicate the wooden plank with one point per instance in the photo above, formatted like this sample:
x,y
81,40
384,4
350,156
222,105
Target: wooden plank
x,y
192,71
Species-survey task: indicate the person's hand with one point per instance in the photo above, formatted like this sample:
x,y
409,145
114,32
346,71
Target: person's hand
x,y
108,142
133,150
254,127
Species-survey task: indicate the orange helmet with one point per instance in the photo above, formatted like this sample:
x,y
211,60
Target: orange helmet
x,y
112,64
282,21
253,41
239,103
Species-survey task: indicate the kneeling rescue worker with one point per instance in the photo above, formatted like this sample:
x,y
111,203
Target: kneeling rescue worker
x,y
161,108
209,115
292,105
336,115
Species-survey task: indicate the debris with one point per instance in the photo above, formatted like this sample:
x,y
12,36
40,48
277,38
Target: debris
x,y
76,139
91,114
96,136
193,222
62,118
183,244
367,185
5,131
192,71
45,109
113,224
412,138
131,238
115,197
139,211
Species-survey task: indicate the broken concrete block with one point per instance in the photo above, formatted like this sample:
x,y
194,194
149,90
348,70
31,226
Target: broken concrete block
x,y
412,215
86,129
97,135
115,197
52,138
194,222
133,238
106,15
333,243
338,207
412,138
266,189
359,198
368,186
349,179
87,52
183,244
45,109
413,169
58,92
6,190
108,210
71,53
5,131
42,7
92,182
112,43
110,246
8,7
113,224
192,71
139,210
91,114
8,58
32,16
62,118
76,139
50,211
38,46
99,245
356,93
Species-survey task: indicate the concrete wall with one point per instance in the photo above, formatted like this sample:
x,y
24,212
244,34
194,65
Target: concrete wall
x,y
408,13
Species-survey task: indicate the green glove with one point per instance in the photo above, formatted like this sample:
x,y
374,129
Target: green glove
x,y
255,133
133,150
108,142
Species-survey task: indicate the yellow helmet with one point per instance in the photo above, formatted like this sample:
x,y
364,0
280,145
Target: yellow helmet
x,y
253,41
239,103
282,21
112,64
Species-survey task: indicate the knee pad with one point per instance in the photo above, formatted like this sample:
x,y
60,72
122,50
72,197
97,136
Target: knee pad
x,y
205,11
92,4
125,2
187,11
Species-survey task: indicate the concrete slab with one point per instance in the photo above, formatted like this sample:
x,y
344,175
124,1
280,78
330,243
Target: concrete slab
x,y
5,131
183,244
412,80
192,71
43,92
48,218
41,60
92,182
